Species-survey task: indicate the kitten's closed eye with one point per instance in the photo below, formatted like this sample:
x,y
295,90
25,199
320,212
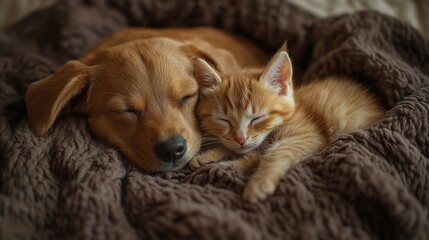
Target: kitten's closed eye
x,y
224,120
257,119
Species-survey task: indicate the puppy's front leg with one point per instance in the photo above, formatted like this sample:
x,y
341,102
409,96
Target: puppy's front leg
x,y
209,156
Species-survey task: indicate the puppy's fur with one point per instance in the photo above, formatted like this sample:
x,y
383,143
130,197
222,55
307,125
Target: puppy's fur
x,y
138,90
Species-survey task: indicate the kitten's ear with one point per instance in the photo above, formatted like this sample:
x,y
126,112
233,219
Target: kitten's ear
x,y
278,73
206,76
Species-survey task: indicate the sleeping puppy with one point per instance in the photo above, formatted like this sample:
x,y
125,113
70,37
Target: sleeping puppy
x,y
138,91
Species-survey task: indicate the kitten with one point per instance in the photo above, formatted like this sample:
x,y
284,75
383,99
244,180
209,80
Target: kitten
x,y
258,116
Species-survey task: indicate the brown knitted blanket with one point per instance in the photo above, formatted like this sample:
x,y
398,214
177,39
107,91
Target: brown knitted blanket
x,y
371,184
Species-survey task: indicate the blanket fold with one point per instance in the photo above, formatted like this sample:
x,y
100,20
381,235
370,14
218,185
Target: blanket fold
x,y
68,184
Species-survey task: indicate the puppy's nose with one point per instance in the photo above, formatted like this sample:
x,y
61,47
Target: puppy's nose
x,y
171,150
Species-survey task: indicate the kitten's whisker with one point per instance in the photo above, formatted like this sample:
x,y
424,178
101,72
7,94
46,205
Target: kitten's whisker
x,y
210,145
209,138
211,141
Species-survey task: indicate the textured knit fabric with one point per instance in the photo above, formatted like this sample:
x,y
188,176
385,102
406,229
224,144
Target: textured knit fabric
x,y
68,184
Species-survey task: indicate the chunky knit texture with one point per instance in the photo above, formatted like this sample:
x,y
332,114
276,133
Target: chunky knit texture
x,y
68,184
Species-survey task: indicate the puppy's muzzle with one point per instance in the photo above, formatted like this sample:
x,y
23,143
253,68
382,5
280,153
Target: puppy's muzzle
x,y
172,149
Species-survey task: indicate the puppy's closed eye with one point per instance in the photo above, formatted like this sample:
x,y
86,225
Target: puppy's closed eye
x,y
184,99
127,113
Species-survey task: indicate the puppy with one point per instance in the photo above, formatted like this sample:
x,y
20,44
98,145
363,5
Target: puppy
x,y
138,91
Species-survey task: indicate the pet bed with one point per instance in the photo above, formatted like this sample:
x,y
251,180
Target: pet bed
x,y
68,184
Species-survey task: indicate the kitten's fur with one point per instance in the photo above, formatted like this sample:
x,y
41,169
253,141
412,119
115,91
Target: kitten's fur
x,y
258,113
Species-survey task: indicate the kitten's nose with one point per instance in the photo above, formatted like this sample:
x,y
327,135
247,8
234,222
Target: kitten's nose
x,y
171,150
240,140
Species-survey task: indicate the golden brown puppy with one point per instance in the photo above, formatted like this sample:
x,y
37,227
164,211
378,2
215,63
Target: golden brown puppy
x,y
138,90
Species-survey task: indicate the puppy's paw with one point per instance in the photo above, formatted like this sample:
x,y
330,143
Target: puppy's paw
x,y
259,189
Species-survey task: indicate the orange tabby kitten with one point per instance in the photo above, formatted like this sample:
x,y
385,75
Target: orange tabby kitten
x,y
258,116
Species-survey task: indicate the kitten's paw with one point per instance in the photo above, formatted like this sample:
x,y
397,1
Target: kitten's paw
x,y
259,189
210,156
234,164
199,161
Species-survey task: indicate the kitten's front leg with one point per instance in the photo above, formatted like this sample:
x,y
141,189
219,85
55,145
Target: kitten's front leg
x,y
209,156
246,164
262,183
275,163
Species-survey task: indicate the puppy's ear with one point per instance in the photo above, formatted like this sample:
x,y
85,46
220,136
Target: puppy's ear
x,y
222,60
47,97
206,76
